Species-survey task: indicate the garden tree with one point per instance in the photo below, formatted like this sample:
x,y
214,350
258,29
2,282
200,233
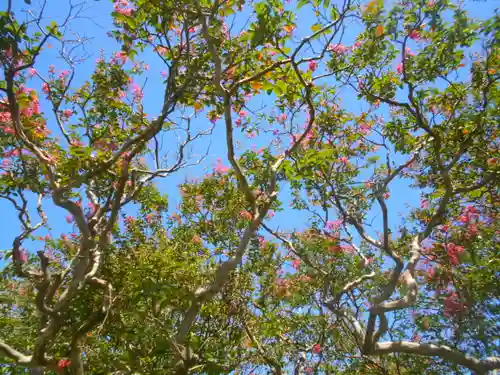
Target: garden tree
x,y
214,285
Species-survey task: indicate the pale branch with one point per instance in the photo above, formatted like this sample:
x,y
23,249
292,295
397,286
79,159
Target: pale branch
x,y
346,316
383,327
356,248
409,279
204,294
444,352
380,305
242,180
385,218
25,220
14,355
353,284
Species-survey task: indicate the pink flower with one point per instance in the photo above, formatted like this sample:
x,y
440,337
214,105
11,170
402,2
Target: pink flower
x,y
365,128
69,219
339,48
63,74
408,52
316,348
399,68
124,11
313,65
344,160
220,168
120,56
270,214
138,94
129,220
45,88
296,263
32,72
243,113
67,113
309,370
281,118
334,225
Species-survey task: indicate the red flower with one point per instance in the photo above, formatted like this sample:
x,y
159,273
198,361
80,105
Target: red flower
x,y
453,252
316,348
63,363
296,263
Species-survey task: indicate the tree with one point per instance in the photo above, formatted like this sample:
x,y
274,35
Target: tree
x,y
217,285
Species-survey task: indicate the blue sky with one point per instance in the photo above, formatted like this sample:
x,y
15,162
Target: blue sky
x,y
94,24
